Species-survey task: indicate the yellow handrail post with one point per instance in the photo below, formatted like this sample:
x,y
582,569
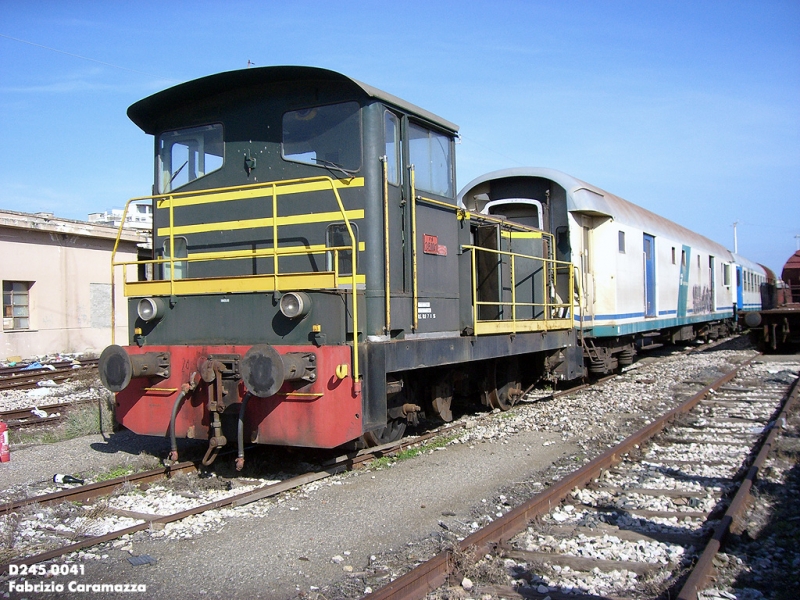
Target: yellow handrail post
x,y
473,252
171,246
113,267
415,287
354,286
387,263
513,296
547,266
275,266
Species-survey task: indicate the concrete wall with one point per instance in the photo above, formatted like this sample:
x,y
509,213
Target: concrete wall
x,y
69,266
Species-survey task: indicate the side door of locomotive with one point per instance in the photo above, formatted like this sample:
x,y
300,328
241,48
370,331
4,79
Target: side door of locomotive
x,y
398,244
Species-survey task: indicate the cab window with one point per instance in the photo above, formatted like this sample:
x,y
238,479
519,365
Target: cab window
x,y
430,154
188,154
391,128
327,136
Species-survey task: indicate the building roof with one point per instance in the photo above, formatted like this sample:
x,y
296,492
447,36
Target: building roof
x,y
47,222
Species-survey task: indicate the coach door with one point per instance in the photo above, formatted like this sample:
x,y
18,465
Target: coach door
x,y
649,257
586,256
712,283
739,289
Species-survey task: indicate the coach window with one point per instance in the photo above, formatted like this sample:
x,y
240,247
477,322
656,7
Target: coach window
x,y
673,255
430,154
187,154
622,242
16,303
726,274
327,136
391,128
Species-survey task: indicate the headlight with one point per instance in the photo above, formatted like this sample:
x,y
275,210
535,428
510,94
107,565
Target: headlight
x,y
150,309
295,304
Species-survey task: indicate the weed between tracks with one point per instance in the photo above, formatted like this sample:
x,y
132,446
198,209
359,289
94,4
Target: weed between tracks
x,y
81,420
387,461
463,564
114,473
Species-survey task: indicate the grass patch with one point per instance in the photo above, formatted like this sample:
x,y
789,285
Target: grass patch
x,y
86,419
386,461
114,473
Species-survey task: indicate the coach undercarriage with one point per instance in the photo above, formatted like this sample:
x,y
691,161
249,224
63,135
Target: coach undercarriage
x,y
608,354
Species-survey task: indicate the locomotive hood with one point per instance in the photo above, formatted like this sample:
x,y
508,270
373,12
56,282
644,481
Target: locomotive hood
x,y
147,113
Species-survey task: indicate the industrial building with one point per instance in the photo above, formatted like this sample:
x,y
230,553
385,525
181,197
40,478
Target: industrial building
x,y
56,277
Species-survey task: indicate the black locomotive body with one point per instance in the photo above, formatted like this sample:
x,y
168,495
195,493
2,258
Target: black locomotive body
x,y
313,278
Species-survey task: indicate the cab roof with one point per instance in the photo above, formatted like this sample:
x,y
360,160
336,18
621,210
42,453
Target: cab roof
x,y
146,113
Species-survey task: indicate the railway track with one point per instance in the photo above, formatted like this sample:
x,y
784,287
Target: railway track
x,y
142,519
21,378
658,505
91,492
31,416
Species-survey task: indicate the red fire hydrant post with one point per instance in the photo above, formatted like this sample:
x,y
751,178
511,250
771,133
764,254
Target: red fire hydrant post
x,y
5,454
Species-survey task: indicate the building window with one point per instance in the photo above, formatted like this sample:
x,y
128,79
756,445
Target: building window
x,y
15,304
622,242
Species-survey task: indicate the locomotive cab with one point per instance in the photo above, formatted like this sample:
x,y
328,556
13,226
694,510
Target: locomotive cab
x,y
278,192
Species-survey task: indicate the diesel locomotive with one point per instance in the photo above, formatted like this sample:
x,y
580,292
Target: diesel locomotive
x,y
316,279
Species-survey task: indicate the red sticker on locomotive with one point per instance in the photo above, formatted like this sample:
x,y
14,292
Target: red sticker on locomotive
x,y
430,245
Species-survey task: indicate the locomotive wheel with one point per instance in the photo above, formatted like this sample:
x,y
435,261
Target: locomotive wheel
x,y
502,387
442,398
392,432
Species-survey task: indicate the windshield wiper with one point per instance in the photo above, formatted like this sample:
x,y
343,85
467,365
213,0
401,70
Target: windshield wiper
x,y
175,174
329,164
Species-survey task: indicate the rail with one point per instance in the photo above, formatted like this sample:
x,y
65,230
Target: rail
x,y
173,285
427,576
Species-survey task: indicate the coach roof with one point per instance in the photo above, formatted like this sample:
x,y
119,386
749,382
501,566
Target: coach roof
x,y
146,113
590,200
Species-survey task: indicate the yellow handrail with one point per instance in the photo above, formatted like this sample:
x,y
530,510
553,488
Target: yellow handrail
x,y
226,194
387,264
514,324
414,283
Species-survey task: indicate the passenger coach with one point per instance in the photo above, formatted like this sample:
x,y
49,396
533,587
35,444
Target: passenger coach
x,y
642,279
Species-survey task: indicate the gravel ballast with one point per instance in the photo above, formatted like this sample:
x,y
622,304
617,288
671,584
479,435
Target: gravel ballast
x,y
340,536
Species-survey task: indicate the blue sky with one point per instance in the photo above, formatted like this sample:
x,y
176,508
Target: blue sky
x,y
688,108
